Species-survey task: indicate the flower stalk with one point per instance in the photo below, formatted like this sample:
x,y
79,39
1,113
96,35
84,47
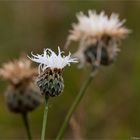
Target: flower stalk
x,y
74,106
50,80
26,124
45,119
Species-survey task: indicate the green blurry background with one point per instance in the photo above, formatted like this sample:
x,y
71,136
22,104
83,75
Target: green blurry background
x,y
111,107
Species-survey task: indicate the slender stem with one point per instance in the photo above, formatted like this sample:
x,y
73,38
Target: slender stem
x,y
73,107
26,123
45,119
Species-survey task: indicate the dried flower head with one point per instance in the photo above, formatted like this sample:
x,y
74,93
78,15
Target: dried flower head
x,y
17,71
50,80
98,36
21,95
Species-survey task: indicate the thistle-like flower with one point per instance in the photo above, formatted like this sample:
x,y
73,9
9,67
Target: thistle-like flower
x,y
21,95
50,80
99,37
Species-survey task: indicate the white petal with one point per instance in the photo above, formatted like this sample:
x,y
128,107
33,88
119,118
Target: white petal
x,y
50,59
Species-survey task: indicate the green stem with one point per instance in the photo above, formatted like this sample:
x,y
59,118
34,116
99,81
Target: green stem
x,y
26,123
45,119
73,107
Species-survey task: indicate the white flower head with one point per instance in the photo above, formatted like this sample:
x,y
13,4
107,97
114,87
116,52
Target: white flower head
x,y
94,26
49,59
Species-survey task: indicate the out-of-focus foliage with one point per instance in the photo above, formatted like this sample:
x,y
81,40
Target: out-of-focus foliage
x,y
111,107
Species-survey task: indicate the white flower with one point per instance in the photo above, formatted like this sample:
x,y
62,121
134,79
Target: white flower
x,y
97,25
50,59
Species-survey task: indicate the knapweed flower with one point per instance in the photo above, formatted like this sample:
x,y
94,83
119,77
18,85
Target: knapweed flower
x,y
21,95
99,37
51,65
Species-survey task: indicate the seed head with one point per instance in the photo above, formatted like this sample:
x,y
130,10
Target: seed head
x,y
21,95
99,37
17,71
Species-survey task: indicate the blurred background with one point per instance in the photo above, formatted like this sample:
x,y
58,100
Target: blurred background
x,y
111,107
